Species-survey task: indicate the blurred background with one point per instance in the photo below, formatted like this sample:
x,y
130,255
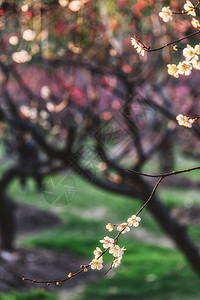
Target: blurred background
x,y
78,106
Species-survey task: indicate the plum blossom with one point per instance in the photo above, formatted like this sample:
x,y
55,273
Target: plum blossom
x,y
166,14
116,251
109,226
13,40
134,221
116,262
140,50
29,35
107,242
134,42
197,49
189,53
184,68
172,70
124,227
185,121
196,64
97,252
137,45
21,56
189,8
96,264
195,23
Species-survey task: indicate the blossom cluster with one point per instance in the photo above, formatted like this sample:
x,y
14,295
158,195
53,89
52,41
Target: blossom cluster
x,y
191,62
110,244
23,56
185,121
167,15
191,54
191,59
138,46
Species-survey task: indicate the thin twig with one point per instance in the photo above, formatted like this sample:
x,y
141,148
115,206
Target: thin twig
x,y
173,42
165,174
150,197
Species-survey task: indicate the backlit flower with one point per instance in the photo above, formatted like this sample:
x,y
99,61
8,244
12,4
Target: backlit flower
x,y
45,92
97,252
184,68
134,42
189,8
172,70
195,23
166,14
13,40
185,121
116,262
97,264
116,251
124,227
189,53
134,221
140,50
109,226
107,242
29,35
138,46
197,49
21,56
196,64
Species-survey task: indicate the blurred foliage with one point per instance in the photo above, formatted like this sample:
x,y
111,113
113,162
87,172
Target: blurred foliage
x,y
31,295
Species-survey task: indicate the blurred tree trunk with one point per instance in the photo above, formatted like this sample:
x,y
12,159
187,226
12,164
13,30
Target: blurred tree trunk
x,y
173,228
166,154
7,223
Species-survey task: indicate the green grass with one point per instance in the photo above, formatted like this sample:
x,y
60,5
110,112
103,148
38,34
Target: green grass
x,y
32,295
147,272
150,273
84,219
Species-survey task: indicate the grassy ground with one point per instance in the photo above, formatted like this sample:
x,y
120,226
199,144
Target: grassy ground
x,y
33,295
148,271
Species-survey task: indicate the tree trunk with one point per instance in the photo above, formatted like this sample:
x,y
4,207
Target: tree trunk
x,y
176,231
7,223
141,189
166,154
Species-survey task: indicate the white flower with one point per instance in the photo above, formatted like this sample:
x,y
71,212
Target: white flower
x,y
140,50
137,45
185,121
197,49
134,42
13,40
116,262
184,68
29,35
189,8
29,112
21,57
134,221
166,14
96,264
97,252
75,5
107,242
195,23
109,226
63,3
189,53
172,70
196,64
124,227
116,251
45,92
